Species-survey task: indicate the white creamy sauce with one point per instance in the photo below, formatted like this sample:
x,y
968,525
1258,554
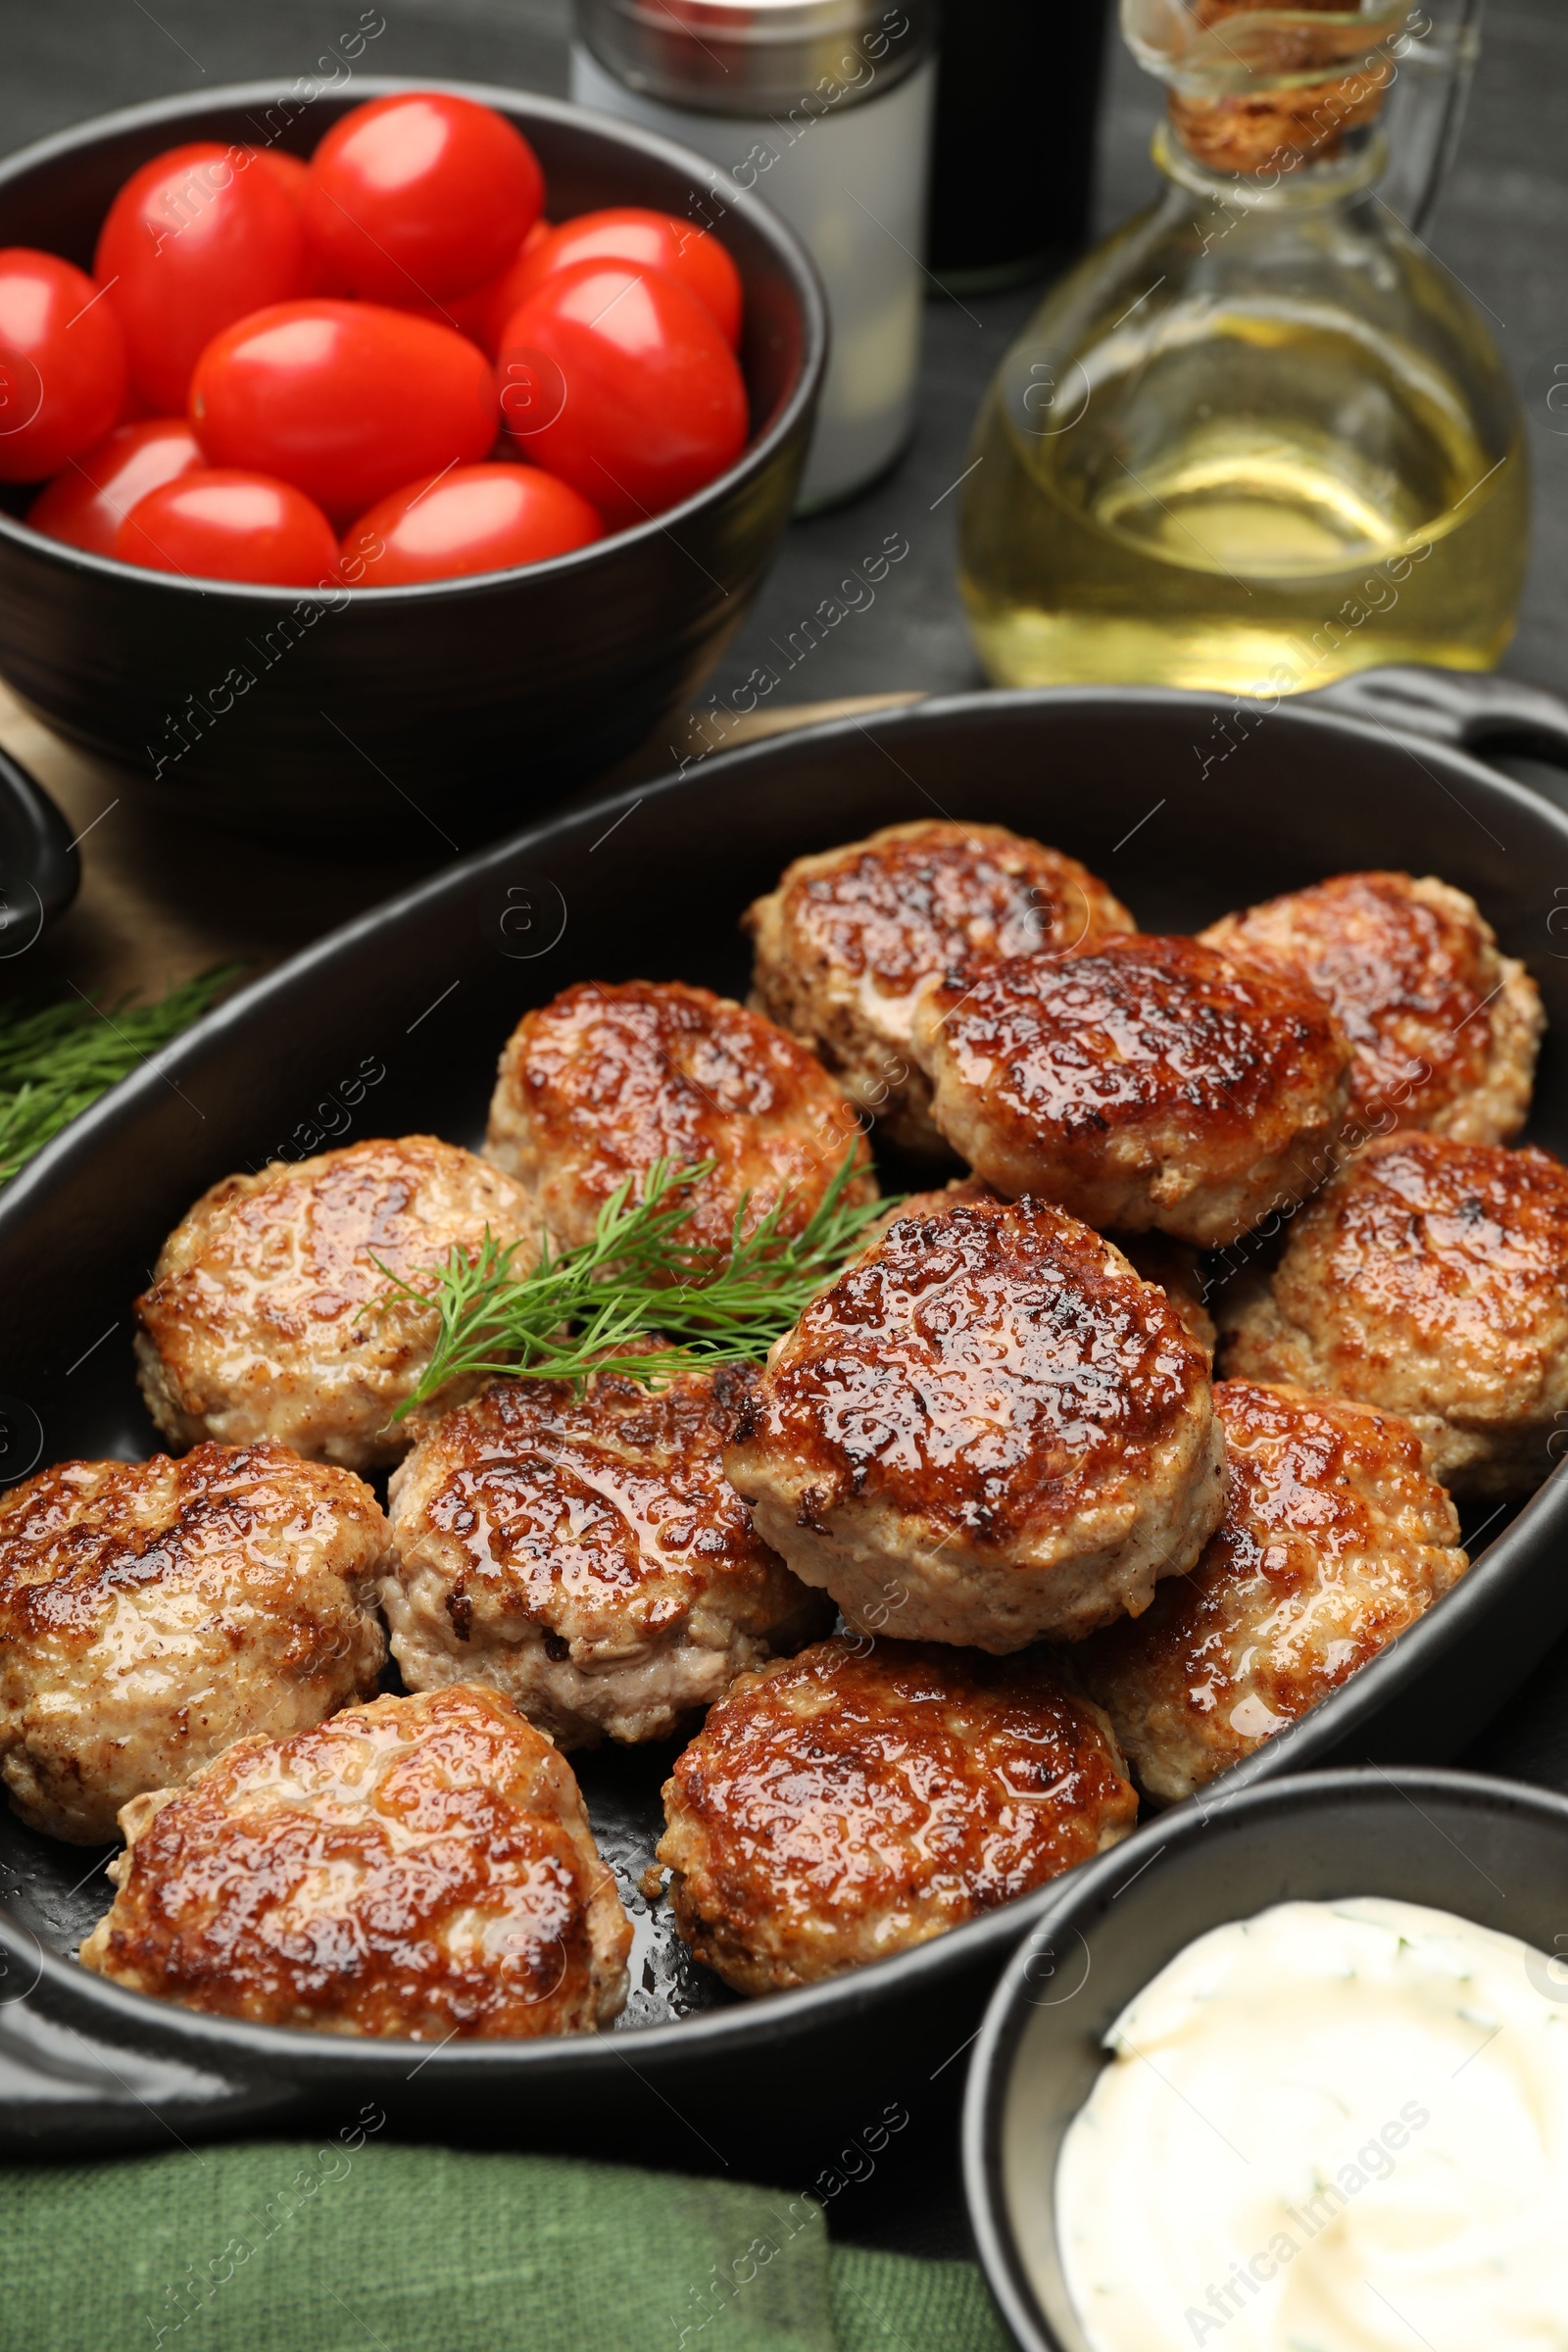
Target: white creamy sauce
x,y
1334,2128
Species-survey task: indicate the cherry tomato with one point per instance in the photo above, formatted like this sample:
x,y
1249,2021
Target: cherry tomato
x,y
194,240
461,312
424,193
481,314
291,173
692,257
619,381
221,525
294,177
87,503
343,399
62,364
474,518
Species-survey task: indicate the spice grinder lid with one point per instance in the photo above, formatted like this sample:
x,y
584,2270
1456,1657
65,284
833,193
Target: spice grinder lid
x,y
757,57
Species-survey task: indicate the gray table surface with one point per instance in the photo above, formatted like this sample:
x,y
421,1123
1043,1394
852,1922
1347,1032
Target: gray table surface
x,y
1501,226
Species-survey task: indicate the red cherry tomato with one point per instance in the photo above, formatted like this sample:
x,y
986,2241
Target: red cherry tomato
x,y
692,257
482,313
86,504
474,518
294,177
461,312
62,364
343,399
218,525
425,193
291,173
194,240
619,381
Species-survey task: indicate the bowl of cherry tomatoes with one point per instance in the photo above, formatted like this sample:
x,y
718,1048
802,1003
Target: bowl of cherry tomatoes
x,y
387,458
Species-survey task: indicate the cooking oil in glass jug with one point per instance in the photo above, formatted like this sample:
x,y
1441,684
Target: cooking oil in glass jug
x,y
1261,437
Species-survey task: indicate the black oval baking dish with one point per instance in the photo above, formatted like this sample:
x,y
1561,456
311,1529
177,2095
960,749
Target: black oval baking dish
x,y
1493,1851
394,1023
39,867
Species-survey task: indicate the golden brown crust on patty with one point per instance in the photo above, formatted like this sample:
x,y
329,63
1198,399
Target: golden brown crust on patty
x,y
419,1866
848,936
151,1612
1150,1082
265,1315
986,1430
1442,1030
587,1555
597,1085
866,1797
1179,1271
1431,1278
1334,1541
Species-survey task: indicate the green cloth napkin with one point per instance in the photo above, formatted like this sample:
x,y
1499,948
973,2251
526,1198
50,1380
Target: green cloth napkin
x,y
349,2243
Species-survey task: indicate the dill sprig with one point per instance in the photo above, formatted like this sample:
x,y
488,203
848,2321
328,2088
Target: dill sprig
x,y
595,1308
56,1060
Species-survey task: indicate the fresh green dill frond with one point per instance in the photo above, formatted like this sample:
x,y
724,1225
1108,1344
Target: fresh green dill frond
x,y
637,1298
57,1058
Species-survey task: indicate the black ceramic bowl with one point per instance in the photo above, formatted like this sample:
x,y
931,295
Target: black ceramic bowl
x,y
1493,1851
475,699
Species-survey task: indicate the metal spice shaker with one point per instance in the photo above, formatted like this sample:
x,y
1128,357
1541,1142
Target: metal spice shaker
x,y
824,108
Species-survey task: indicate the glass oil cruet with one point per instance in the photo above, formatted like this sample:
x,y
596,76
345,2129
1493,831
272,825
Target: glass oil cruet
x,y
1261,437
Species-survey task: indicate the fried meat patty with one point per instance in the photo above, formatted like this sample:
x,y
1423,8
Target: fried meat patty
x,y
1334,1541
587,1556
151,1612
848,936
1150,1082
1179,1272
986,1430
1443,1031
268,1315
1431,1278
865,1796
419,1867
599,1084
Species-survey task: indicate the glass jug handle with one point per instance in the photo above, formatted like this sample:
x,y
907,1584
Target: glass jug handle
x,y
1434,59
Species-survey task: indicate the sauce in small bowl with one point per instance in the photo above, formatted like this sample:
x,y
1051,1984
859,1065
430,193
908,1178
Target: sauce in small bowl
x,y
1292,2074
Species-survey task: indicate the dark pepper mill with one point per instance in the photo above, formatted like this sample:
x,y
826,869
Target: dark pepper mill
x,y
1017,94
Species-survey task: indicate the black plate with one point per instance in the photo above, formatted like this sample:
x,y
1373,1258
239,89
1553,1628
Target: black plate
x,y
394,1024
1493,1851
